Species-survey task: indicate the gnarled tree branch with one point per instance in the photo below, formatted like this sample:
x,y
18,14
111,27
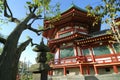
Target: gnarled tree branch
x,y
32,9
2,40
23,46
8,10
38,32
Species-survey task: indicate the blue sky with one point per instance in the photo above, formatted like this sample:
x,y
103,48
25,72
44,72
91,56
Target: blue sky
x,y
18,8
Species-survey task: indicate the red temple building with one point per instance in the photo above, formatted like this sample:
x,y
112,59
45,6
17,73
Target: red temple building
x,y
81,48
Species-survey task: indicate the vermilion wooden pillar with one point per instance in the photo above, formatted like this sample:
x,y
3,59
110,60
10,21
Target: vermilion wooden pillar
x,y
48,72
87,70
64,70
92,55
51,72
76,49
113,52
58,55
115,69
81,53
81,69
93,59
96,70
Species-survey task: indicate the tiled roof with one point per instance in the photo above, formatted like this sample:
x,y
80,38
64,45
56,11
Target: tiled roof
x,y
99,33
75,6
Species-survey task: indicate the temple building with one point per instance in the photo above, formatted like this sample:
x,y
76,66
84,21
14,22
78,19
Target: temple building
x,y
81,48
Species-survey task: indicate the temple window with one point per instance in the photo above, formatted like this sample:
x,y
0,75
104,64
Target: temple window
x,y
107,69
117,47
65,34
62,29
101,50
82,28
77,27
86,52
66,45
67,71
67,27
66,52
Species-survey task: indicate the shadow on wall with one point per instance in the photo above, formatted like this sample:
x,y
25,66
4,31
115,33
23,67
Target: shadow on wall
x,y
91,78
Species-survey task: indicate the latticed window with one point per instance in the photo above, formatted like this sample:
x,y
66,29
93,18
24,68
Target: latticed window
x,y
101,50
117,47
86,52
65,34
66,52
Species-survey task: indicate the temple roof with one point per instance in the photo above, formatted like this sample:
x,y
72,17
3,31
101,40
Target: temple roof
x,y
117,19
83,40
96,37
68,38
102,32
73,15
76,7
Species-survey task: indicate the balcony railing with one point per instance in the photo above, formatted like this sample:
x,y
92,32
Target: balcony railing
x,y
103,59
70,60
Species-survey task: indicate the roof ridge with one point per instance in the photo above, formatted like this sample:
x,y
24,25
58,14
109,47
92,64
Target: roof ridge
x,y
74,6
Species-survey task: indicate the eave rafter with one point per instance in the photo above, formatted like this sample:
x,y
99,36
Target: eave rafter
x,y
95,40
67,38
56,42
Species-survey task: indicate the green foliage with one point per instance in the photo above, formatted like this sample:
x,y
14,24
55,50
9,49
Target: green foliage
x,y
48,10
34,67
40,27
49,57
23,71
1,7
1,50
40,4
2,20
108,8
54,13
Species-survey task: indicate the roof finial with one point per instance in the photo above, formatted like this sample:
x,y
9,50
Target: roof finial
x,y
72,2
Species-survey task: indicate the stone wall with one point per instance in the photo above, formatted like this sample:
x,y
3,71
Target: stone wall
x,y
92,77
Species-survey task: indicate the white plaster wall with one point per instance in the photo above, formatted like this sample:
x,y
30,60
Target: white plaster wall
x,y
56,56
103,71
119,68
58,72
73,71
92,71
79,53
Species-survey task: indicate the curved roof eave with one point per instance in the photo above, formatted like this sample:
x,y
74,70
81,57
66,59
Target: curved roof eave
x,y
74,6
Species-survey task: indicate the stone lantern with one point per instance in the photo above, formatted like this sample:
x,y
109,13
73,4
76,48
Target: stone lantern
x,y
41,59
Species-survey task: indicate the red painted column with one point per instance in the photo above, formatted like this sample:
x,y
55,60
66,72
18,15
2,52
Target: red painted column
x,y
76,49
113,52
96,70
48,72
81,69
92,55
58,55
64,70
81,53
115,69
87,70
93,59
